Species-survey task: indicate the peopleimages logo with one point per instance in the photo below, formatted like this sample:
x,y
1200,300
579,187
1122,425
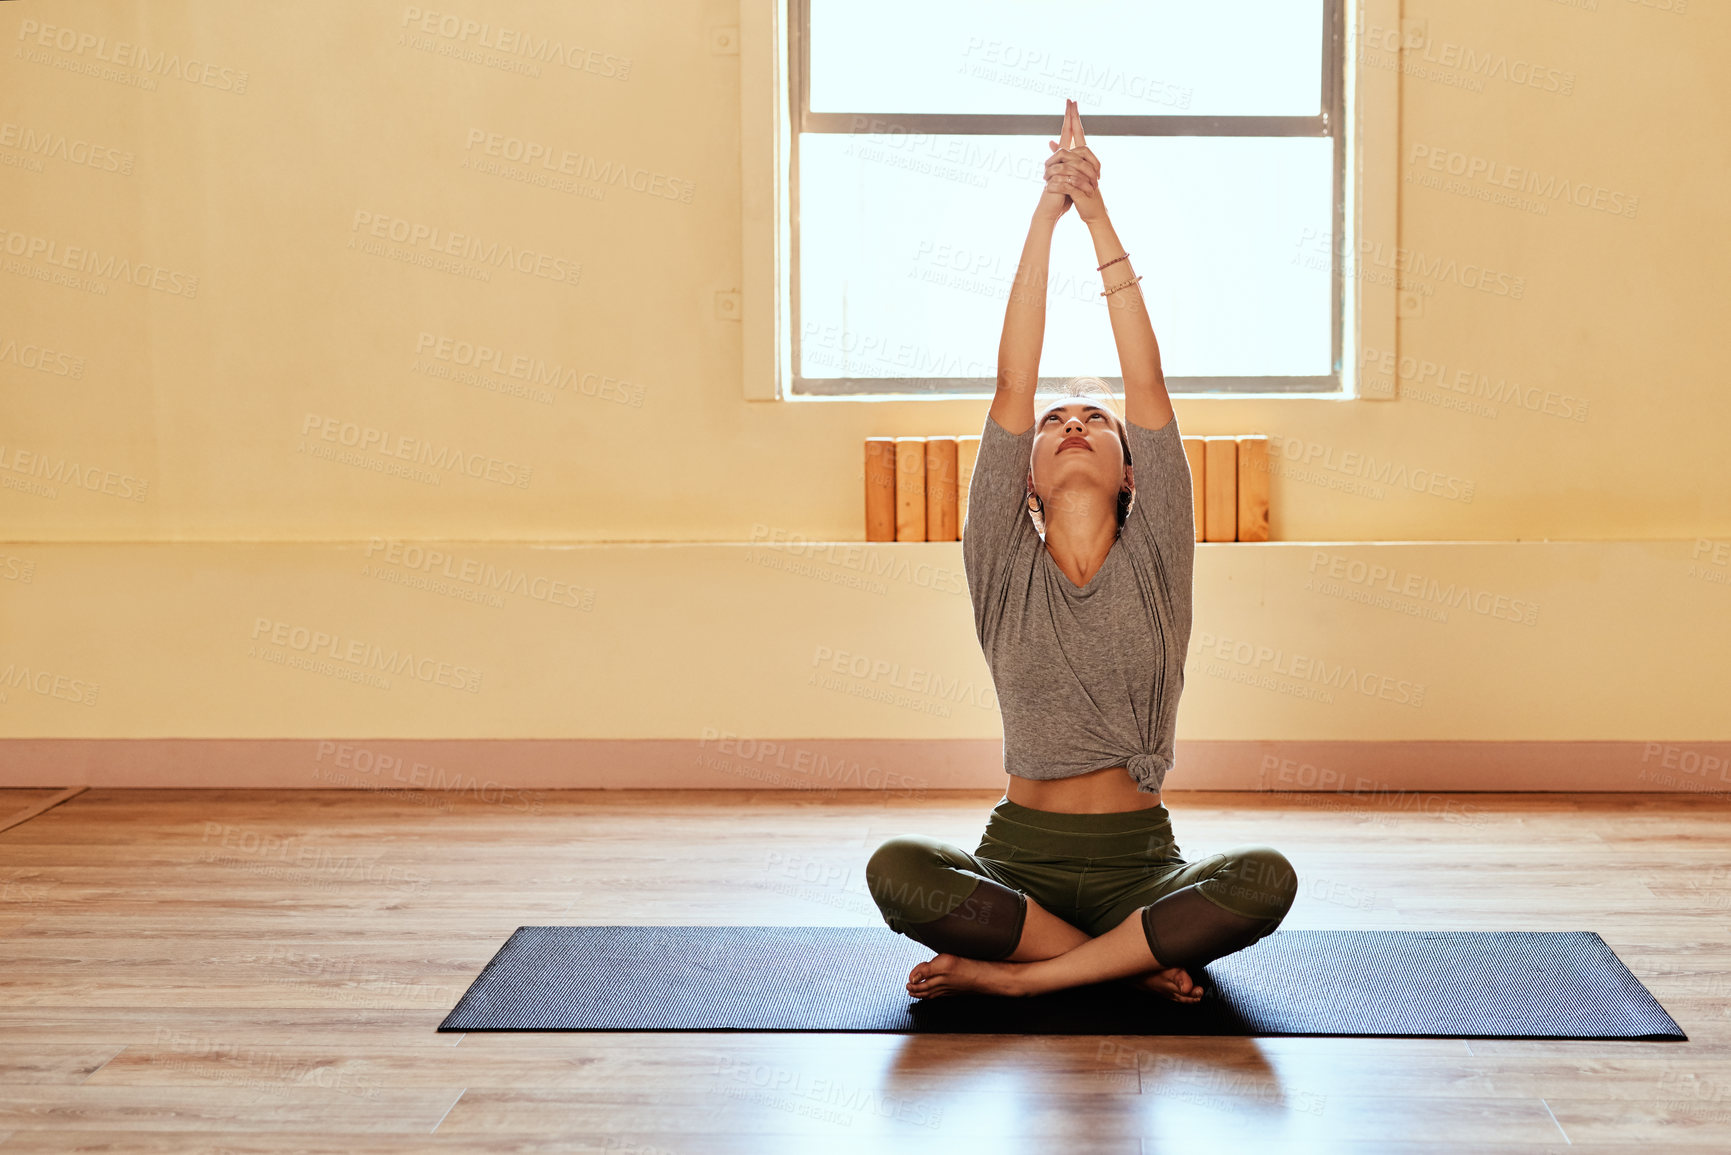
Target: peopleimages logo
x,y
531,369
1406,590
483,575
417,775
1367,467
1548,186
517,42
122,54
419,450
49,471
47,683
1473,384
365,655
581,165
1378,263
1453,62
110,266
58,146
41,358
1308,670
444,242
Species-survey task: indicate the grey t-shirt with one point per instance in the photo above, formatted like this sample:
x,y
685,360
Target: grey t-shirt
x,y
1087,677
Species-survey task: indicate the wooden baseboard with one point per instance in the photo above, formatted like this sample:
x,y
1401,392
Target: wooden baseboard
x,y
903,766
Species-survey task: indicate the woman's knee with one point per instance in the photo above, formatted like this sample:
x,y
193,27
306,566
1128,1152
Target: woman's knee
x,y
910,880
1262,881
932,892
900,856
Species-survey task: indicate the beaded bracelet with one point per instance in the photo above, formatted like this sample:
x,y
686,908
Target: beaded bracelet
x,y
1113,261
1125,285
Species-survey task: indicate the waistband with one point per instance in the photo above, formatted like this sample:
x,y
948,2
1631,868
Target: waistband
x,y
1112,822
1145,834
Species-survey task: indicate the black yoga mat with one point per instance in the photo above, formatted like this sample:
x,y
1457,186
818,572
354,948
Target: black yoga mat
x,y
1436,984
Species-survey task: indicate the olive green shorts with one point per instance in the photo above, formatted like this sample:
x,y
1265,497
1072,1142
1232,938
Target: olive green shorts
x,y
1091,870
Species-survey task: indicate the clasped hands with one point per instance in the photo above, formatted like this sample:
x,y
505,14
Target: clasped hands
x,y
1072,174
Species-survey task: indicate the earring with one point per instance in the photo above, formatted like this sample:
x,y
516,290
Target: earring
x,y
1036,504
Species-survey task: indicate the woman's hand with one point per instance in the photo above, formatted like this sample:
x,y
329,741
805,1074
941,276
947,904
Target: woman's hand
x,y
1089,206
1072,174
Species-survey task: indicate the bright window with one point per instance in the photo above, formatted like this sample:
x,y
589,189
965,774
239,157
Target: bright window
x,y
918,146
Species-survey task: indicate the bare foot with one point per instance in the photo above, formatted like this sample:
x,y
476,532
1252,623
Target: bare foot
x,y
949,974
1173,982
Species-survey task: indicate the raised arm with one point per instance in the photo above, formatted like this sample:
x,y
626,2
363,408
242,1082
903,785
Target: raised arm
x,y
1145,399
1025,315
1024,330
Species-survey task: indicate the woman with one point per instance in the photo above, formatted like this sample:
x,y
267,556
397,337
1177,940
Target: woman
x,y
1077,878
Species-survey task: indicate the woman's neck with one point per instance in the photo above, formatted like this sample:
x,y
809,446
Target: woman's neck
x,y
1080,551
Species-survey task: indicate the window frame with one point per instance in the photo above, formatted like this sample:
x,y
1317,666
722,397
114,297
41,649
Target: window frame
x,y
1359,111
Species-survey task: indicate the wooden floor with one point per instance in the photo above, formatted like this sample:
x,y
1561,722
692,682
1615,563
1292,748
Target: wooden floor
x,y
262,971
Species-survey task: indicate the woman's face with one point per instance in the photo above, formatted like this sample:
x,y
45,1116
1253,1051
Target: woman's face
x,y
1078,459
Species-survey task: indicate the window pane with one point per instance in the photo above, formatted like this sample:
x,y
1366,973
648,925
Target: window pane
x,y
1118,57
908,247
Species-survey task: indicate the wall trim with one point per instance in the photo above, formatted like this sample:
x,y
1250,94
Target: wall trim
x,y
764,141
909,767
1372,179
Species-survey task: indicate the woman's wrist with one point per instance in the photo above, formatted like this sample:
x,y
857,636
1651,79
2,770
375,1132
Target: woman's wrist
x,y
1045,220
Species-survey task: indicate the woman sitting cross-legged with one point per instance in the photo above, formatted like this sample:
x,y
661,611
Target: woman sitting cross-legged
x,y
1080,576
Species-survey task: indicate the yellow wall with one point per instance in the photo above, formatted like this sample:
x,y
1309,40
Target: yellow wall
x,y
194,413
1493,641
